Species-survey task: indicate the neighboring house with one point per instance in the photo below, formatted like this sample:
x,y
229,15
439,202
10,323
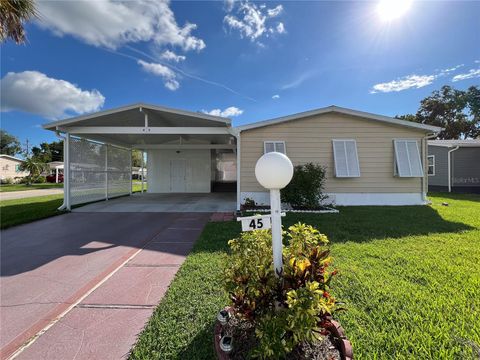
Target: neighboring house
x,y
370,159
10,167
454,165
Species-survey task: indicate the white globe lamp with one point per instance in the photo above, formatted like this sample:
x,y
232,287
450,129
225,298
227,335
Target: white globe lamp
x,y
274,171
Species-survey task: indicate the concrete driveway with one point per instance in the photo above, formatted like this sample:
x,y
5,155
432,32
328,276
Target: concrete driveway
x,y
88,282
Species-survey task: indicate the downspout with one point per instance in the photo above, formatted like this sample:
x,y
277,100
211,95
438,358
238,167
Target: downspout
x,y
449,162
66,173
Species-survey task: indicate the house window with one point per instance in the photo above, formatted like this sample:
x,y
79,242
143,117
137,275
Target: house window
x,y
17,168
270,146
407,159
431,165
346,158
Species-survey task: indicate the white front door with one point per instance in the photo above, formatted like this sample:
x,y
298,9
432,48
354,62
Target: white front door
x,y
178,172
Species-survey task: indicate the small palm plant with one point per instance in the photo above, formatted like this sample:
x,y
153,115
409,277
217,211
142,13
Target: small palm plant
x,y
34,168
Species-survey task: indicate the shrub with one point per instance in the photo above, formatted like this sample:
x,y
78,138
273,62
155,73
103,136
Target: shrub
x,y
40,180
305,191
7,181
287,312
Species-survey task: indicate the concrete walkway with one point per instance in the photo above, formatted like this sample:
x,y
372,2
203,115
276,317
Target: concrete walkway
x,y
10,195
88,282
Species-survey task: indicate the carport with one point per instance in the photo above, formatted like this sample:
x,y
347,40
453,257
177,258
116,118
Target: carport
x,y
189,155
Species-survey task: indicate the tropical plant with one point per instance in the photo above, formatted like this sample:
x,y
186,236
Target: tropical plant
x,y
286,312
13,14
305,191
34,169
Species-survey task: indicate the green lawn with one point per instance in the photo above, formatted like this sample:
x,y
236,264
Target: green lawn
x,y
23,187
20,211
410,277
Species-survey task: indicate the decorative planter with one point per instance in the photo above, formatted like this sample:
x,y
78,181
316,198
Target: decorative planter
x,y
337,337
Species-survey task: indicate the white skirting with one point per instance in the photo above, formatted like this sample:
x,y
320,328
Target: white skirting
x,y
262,198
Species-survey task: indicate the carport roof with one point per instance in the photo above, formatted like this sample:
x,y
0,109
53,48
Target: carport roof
x,y
131,115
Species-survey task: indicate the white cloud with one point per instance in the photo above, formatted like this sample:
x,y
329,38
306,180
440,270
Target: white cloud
x,y
112,23
477,61
229,5
471,74
168,75
275,11
298,80
253,22
449,70
276,96
228,112
171,56
36,93
404,83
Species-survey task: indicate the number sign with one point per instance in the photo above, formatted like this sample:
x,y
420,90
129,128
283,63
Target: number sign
x,y
250,223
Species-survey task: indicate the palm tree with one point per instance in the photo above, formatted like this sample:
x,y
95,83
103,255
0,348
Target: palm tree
x,y
13,13
34,168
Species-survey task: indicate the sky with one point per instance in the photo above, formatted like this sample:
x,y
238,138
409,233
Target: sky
x,y
245,60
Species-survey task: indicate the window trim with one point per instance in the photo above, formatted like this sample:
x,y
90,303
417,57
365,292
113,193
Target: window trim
x,y
356,153
433,165
274,145
395,156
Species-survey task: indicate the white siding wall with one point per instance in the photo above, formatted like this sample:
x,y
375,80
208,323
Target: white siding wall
x,y
198,170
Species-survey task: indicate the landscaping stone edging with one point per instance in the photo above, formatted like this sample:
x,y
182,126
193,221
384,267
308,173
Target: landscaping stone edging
x,y
338,338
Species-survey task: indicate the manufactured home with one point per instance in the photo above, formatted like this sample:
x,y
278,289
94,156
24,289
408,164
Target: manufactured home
x,y
454,165
11,168
370,159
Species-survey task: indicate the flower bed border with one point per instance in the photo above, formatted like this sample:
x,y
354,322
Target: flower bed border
x,y
337,335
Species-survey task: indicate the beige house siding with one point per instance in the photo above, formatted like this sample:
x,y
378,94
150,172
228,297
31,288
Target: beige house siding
x,y
8,168
310,140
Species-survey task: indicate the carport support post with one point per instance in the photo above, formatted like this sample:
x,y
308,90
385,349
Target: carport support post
x,y
131,175
66,172
143,171
106,171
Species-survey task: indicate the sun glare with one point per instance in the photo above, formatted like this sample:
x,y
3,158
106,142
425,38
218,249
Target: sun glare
x,y
391,9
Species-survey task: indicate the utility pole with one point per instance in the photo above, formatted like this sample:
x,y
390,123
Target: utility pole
x,y
27,146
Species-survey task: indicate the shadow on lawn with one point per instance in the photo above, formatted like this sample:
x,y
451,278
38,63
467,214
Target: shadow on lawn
x,y
365,223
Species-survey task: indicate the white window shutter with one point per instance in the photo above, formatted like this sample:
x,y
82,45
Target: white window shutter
x,y
346,158
407,158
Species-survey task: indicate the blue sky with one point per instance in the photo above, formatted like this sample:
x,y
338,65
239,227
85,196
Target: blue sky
x,y
248,60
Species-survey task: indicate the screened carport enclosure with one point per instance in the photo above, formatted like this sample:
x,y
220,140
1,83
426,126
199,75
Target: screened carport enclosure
x,y
185,152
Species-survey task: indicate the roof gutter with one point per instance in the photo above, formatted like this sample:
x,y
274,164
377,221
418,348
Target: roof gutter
x,y
449,162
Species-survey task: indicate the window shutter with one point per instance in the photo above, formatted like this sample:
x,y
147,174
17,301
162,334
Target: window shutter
x,y
407,158
346,158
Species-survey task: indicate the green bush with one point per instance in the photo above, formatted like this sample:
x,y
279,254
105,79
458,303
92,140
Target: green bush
x,y
305,191
40,180
287,312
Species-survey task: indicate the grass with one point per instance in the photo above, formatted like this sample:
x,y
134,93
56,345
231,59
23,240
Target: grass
x,y
410,277
21,211
23,187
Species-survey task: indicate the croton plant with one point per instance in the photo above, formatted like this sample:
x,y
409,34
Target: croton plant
x,y
289,310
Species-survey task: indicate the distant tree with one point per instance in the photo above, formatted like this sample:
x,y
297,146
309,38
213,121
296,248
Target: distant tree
x,y
137,158
13,14
47,152
457,111
9,144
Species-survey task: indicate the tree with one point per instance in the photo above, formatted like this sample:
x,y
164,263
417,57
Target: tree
x,y
9,144
13,13
457,111
48,151
34,169
137,158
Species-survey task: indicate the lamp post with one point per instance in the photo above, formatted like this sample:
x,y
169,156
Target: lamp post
x,y
274,171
